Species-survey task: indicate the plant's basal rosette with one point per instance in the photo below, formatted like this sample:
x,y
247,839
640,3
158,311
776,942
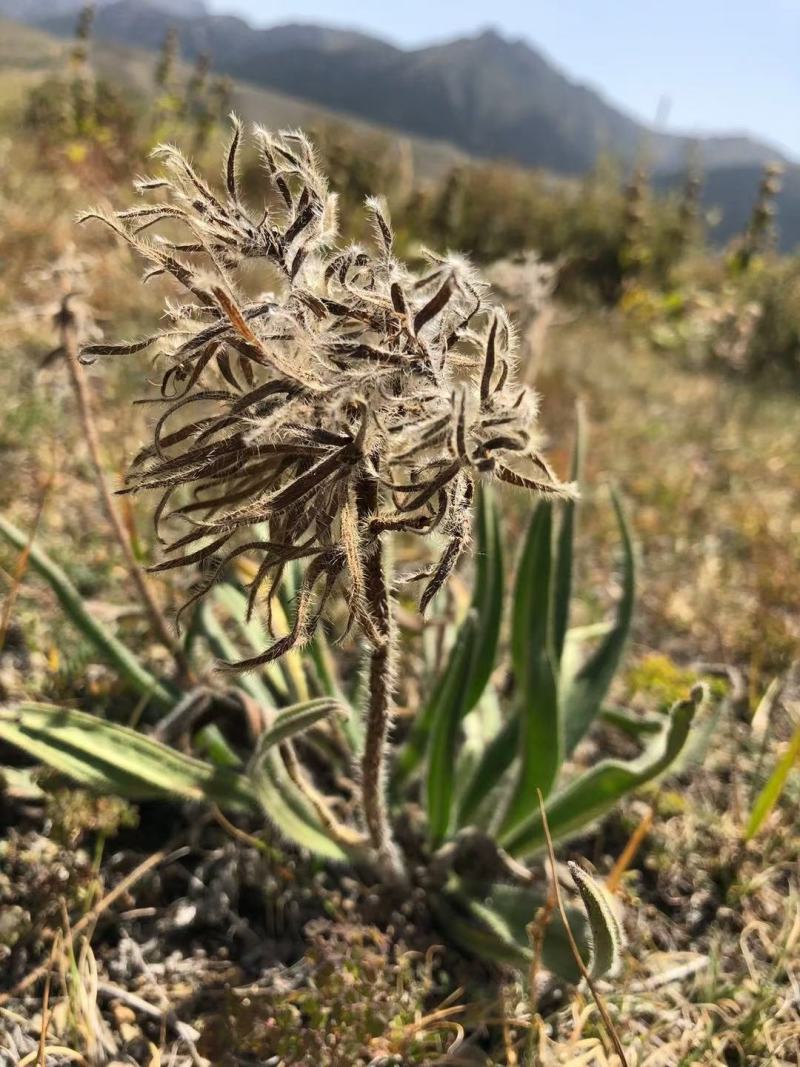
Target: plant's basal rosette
x,y
358,399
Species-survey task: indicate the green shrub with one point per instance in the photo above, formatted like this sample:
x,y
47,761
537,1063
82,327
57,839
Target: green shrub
x,y
590,227
746,322
80,116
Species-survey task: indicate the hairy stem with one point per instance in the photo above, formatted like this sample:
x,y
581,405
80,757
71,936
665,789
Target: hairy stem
x,y
379,702
69,343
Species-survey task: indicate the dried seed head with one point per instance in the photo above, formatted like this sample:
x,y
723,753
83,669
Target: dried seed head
x,y
357,400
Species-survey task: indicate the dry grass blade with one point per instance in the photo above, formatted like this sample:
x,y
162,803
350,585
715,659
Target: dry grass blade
x,y
46,1003
629,852
53,1050
22,565
67,325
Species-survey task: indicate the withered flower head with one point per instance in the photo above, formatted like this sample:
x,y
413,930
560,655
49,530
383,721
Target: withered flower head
x,y
357,400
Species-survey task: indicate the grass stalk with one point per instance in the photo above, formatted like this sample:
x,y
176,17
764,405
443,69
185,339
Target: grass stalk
x,y
122,658
68,335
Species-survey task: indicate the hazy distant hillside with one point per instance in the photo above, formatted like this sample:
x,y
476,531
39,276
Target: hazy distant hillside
x,y
237,47
39,10
489,96
27,53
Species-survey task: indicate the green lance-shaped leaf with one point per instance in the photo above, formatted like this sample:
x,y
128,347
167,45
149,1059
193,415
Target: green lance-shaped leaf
x,y
234,604
497,757
210,741
287,809
279,798
769,795
562,579
440,785
534,670
296,719
291,663
630,723
110,647
480,934
487,606
607,937
224,649
583,693
326,675
596,791
114,759
487,598
326,682
493,922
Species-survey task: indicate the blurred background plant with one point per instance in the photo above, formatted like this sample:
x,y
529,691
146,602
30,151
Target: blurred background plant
x,y
74,115
84,120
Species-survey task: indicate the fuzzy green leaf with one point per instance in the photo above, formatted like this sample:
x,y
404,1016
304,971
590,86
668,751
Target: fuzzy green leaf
x,y
630,723
325,666
487,598
492,922
210,741
497,757
328,684
607,936
481,935
583,693
298,717
593,793
286,807
111,758
234,604
224,648
110,647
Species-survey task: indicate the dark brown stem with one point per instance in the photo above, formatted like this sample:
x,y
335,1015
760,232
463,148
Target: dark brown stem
x,y
69,343
380,697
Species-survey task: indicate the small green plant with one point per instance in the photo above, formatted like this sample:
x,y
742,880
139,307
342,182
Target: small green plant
x,y
770,794
80,115
358,1004
759,236
781,692
356,408
737,312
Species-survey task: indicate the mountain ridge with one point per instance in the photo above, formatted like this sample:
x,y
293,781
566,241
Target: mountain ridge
x,y
37,11
489,96
492,96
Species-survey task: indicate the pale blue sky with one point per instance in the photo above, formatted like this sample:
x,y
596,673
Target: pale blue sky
x,y
725,65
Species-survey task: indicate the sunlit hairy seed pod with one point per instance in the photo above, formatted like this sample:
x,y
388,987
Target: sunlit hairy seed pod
x,y
357,400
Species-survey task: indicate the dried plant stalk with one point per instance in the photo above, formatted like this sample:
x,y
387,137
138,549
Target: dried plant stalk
x,y
67,326
355,401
